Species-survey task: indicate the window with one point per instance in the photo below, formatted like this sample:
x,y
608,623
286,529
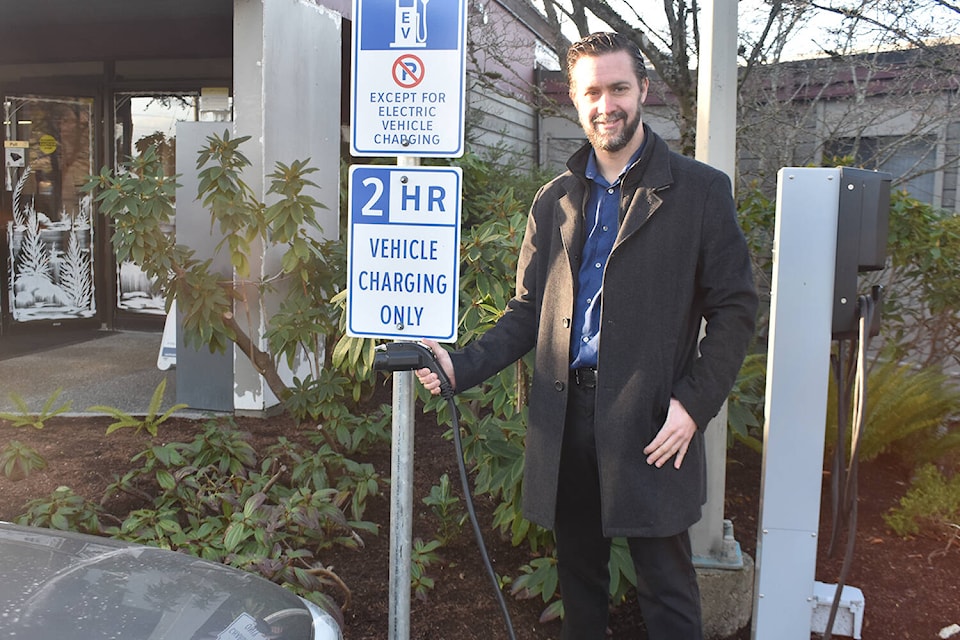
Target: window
x,y
911,161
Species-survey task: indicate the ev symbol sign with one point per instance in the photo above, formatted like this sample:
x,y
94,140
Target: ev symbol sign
x,y
403,252
409,63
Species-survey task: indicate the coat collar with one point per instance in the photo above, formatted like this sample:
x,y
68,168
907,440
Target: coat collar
x,y
640,186
651,172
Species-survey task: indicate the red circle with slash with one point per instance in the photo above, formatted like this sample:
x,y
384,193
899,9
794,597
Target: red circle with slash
x,y
408,71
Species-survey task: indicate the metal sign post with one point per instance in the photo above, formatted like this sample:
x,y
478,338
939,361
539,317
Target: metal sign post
x,y
404,281
409,89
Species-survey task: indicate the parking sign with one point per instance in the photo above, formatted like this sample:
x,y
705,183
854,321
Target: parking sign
x,y
409,70
404,252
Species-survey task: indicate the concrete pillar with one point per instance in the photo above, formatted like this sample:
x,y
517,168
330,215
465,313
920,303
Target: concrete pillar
x,y
726,577
286,82
716,145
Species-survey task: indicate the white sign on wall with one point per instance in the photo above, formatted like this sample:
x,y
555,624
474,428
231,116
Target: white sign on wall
x,y
15,153
404,252
409,70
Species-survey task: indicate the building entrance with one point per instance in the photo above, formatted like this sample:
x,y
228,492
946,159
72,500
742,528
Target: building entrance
x,y
144,120
48,221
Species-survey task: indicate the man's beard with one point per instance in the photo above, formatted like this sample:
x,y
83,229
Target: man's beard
x,y
606,142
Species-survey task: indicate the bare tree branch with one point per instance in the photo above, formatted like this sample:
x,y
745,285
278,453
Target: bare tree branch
x,y
947,5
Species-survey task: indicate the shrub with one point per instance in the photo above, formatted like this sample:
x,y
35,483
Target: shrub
x,y
745,405
931,505
150,422
18,460
275,514
921,311
139,201
63,510
25,418
423,555
907,410
445,506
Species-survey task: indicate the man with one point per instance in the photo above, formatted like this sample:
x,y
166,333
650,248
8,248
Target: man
x,y
624,254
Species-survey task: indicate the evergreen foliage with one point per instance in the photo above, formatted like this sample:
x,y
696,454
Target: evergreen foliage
x,y
931,504
908,409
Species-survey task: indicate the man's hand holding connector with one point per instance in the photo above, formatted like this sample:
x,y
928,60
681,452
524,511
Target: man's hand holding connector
x,y
429,379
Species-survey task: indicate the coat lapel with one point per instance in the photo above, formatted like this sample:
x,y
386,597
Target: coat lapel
x,y
570,221
644,204
642,183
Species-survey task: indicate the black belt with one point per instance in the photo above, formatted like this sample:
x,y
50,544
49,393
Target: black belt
x,y
584,377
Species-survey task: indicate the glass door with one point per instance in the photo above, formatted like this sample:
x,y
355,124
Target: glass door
x,y
48,155
141,121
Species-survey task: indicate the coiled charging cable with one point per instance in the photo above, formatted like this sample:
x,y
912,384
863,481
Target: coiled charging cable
x,y
844,481
410,356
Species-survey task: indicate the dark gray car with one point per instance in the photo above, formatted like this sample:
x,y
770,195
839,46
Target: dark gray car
x,y
56,584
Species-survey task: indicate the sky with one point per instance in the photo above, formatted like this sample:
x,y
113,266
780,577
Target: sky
x,y
808,41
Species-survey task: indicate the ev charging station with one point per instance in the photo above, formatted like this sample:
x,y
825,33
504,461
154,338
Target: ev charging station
x,y
831,224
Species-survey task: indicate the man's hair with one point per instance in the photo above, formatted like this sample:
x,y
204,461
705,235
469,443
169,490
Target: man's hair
x,y
600,43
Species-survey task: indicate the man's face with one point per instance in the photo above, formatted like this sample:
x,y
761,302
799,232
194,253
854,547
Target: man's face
x,y
609,100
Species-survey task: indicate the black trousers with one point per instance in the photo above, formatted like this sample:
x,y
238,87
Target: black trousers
x,y
666,580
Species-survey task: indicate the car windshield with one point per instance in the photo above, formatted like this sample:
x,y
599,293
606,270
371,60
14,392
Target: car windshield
x,y
58,587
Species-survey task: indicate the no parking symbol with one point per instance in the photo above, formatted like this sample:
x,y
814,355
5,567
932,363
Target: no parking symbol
x,y
408,71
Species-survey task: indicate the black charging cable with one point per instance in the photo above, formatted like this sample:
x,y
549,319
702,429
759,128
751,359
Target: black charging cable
x,y
851,377
410,356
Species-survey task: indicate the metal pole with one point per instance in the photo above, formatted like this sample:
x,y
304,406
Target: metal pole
x,y
401,504
401,493
717,146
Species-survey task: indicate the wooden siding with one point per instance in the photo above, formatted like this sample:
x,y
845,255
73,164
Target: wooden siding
x,y
498,122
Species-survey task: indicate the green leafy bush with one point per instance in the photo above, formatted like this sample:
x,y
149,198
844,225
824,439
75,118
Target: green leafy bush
x,y
150,422
25,418
18,460
745,406
63,510
540,579
931,505
423,555
908,411
921,310
275,514
446,507
139,201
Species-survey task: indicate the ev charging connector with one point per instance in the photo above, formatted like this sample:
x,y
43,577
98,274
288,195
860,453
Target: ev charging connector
x,y
410,356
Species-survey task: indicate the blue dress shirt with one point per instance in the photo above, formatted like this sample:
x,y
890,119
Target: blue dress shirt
x,y
602,220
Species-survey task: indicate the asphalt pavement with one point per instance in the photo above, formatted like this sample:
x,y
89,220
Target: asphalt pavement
x,y
114,369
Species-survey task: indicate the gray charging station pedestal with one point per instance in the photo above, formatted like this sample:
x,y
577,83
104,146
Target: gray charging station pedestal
x,y
831,224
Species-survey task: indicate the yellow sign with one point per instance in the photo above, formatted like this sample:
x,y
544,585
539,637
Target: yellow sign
x,y
48,144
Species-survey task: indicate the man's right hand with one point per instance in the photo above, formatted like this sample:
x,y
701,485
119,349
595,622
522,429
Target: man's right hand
x,y
429,379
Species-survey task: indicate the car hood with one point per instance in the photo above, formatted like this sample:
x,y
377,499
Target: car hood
x,y
64,585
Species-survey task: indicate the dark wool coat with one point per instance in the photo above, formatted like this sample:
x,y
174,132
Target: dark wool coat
x,y
679,256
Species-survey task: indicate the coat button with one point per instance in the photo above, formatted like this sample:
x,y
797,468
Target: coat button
x,y
558,385
566,323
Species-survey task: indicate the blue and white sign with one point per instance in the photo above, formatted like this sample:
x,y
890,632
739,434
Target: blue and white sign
x,y
409,71
404,252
